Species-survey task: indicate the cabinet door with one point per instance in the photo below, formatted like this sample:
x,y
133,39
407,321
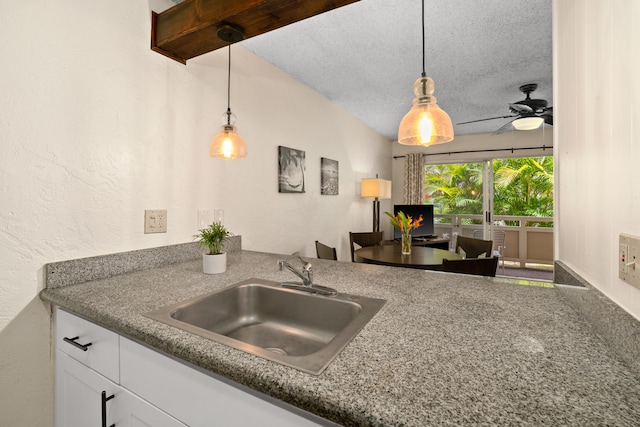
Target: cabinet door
x,y
132,411
200,400
79,400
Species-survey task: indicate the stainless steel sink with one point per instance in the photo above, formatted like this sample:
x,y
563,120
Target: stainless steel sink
x,y
302,330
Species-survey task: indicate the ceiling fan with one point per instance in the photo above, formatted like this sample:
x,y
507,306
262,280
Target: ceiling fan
x,y
527,114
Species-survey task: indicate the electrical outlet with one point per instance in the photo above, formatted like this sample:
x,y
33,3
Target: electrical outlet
x,y
629,259
155,221
623,256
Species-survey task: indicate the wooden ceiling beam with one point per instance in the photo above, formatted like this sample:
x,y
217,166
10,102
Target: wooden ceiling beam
x,y
188,29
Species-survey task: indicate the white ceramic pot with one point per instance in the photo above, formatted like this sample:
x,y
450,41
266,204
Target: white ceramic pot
x,y
214,264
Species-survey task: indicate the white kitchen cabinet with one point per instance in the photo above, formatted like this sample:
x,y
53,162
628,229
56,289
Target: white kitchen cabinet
x,y
198,399
82,395
150,388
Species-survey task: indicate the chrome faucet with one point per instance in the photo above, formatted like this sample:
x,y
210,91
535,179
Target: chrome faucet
x,y
306,274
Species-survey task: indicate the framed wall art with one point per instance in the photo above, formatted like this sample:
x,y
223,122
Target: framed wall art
x,y
291,170
329,174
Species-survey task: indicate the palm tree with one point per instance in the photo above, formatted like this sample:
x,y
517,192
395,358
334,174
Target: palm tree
x,y
454,188
523,187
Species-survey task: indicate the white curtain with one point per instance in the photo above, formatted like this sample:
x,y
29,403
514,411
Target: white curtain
x,y
414,179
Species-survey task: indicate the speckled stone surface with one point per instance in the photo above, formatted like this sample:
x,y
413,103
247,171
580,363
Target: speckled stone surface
x,y
445,350
74,271
609,321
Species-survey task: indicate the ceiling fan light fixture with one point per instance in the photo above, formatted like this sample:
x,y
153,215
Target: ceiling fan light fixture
x,y
426,123
527,123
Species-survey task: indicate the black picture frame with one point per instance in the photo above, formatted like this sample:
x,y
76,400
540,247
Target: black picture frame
x,y
291,170
329,177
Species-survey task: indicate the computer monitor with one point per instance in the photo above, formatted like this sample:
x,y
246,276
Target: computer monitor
x,y
414,211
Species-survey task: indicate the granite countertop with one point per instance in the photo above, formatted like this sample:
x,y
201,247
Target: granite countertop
x,y
444,350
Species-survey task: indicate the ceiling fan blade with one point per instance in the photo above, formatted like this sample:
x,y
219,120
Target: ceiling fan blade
x,y
547,115
503,128
521,108
483,120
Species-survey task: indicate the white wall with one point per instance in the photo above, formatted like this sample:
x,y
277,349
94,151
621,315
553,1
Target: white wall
x,y
95,128
596,94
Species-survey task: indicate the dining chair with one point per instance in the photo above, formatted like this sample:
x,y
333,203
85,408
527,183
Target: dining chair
x,y
326,252
475,266
371,238
498,244
474,248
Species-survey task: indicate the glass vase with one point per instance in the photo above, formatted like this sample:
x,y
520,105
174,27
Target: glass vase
x,y
406,244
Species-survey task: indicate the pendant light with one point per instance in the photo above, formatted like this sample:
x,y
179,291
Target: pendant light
x,y
426,123
228,144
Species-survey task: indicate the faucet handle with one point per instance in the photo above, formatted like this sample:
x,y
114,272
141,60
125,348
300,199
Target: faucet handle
x,y
306,265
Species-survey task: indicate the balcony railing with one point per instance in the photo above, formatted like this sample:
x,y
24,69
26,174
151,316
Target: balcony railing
x,y
526,240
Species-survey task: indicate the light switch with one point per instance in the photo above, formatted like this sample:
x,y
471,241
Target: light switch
x,y
155,221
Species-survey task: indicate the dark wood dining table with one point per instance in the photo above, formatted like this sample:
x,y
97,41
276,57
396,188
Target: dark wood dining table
x,y
424,258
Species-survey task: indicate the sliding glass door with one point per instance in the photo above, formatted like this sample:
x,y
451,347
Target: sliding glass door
x,y
493,197
457,192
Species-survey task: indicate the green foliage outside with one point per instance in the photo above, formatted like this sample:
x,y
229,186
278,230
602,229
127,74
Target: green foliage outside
x,y
523,187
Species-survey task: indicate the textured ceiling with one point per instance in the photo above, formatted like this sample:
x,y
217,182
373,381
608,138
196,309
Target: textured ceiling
x,y
365,57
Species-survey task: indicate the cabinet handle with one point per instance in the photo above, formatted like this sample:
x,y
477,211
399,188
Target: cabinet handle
x,y
72,341
105,399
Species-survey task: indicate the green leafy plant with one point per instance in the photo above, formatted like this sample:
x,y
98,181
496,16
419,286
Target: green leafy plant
x,y
213,237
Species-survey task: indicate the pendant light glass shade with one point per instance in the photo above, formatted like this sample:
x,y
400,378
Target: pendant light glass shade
x,y
228,144
426,123
527,123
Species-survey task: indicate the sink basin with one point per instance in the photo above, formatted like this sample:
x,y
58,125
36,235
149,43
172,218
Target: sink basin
x,y
299,329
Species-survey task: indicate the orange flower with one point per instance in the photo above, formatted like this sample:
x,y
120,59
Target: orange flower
x,y
403,222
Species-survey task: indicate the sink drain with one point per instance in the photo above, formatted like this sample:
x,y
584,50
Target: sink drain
x,y
277,350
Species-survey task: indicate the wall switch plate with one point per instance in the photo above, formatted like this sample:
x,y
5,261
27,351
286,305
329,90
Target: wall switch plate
x,y
629,259
623,257
155,221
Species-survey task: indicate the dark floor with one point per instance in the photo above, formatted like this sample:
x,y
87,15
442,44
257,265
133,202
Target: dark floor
x,y
527,273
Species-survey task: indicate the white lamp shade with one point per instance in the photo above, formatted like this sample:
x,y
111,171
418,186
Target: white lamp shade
x,y
375,187
527,123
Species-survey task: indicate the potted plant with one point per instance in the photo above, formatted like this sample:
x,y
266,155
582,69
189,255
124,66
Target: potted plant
x,y
212,238
404,224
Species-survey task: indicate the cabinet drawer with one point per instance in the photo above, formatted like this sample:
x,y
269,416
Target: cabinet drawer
x,y
89,344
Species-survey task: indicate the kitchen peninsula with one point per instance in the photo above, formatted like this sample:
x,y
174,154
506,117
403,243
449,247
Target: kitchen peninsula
x,y
444,350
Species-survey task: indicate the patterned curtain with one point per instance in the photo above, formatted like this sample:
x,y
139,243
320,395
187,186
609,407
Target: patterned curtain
x,y
414,179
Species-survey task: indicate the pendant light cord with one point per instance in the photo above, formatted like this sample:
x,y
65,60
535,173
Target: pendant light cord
x,y
424,73
229,89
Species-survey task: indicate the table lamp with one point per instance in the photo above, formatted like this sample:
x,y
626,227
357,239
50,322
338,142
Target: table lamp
x,y
378,189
